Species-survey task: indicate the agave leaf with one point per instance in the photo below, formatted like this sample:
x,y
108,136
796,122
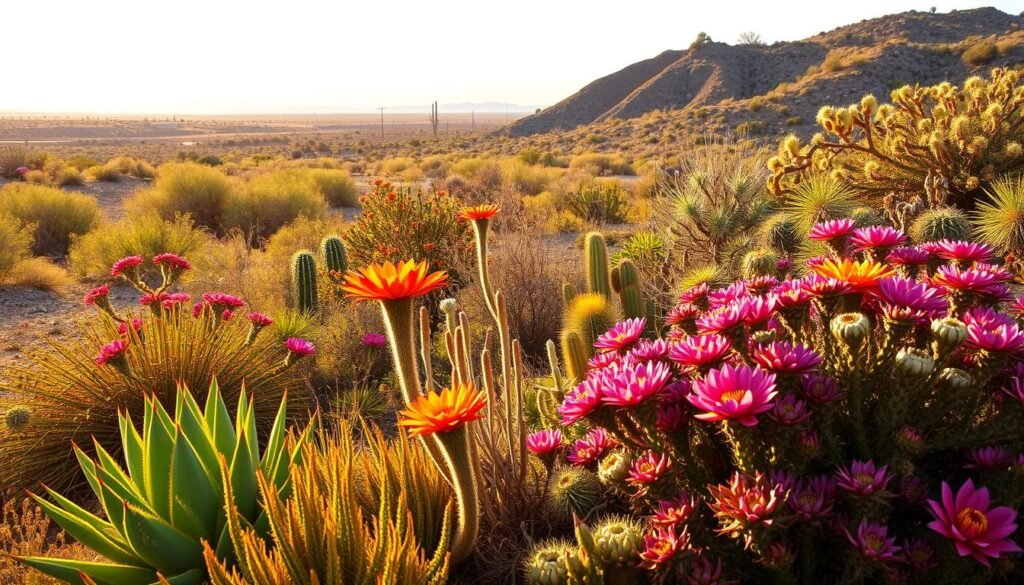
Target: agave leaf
x,y
218,421
161,545
158,443
131,443
90,531
194,499
193,577
88,468
68,570
242,476
110,470
198,435
272,453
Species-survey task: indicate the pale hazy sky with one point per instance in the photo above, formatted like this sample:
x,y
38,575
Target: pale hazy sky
x,y
230,56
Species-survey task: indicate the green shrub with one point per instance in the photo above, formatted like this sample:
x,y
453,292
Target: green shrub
x,y
210,160
56,215
599,164
107,173
980,53
12,157
190,188
91,255
268,202
336,186
81,162
598,203
15,243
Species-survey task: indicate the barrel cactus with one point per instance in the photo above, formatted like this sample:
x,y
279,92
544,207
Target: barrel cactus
x,y
759,263
589,315
573,491
304,281
943,223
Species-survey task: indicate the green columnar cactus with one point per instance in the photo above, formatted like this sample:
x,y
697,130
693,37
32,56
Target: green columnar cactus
x,y
170,497
616,280
631,296
332,250
938,224
598,279
304,281
568,293
574,354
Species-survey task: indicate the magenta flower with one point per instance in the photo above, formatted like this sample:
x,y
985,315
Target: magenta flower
x,y
134,324
757,310
746,501
676,511
786,358
1017,308
171,300
582,400
1000,339
590,448
647,468
832,229
876,237
789,411
819,389
821,286
126,267
990,458
647,350
220,301
722,320
682,313
299,347
873,542
149,299
112,351
622,335
675,392
99,294
172,261
634,384
813,498
986,318
703,571
694,353
966,252
671,417
791,293
910,257
1014,388
974,529
602,360
734,393
695,294
728,295
862,478
376,340
903,299
662,545
259,319
970,280
760,285
544,442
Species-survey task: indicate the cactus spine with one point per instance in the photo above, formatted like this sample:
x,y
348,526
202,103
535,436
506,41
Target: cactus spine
x,y
304,281
598,279
332,250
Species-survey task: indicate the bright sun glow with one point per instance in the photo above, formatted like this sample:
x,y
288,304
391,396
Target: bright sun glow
x,y
226,56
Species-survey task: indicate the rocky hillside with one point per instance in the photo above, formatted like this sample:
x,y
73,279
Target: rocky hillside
x,y
775,89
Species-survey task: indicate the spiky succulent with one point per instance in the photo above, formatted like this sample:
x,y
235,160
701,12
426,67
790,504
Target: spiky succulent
x,y
618,541
573,490
943,223
548,564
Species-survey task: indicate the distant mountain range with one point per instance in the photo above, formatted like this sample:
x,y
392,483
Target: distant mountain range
x,y
775,89
456,108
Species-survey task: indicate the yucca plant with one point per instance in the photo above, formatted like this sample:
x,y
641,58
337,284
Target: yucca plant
x,y
999,221
320,536
819,198
170,497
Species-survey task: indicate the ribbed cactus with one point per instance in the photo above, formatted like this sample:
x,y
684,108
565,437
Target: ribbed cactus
x,y
574,354
332,250
573,490
938,224
598,279
616,280
568,293
759,263
304,281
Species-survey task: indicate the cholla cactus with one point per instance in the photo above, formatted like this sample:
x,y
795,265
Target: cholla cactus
x,y
951,141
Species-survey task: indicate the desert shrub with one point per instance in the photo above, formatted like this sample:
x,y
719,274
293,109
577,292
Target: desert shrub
x,y
92,254
268,202
527,179
598,202
67,176
999,221
108,173
210,160
15,243
185,188
400,224
37,273
600,164
435,167
979,53
69,394
973,135
36,178
395,166
12,158
302,234
81,162
26,531
346,357
56,215
337,186
750,128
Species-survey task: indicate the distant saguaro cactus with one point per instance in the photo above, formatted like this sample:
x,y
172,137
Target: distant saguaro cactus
x,y
304,281
435,121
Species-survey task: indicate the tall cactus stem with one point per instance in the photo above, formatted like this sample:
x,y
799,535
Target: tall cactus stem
x,y
304,281
598,280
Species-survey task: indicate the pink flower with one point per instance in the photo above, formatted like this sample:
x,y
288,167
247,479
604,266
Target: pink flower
x,y
970,280
694,294
789,411
962,251
682,313
976,530
1017,308
259,319
662,545
876,237
135,324
759,285
694,353
726,296
172,261
908,257
1000,339
675,392
220,301
675,511
986,318
721,320
647,468
622,335
734,393
862,478
757,310
813,498
171,300
990,458
792,293
376,340
647,350
112,351
151,299
831,230
299,347
703,571
603,360
786,358
126,266
873,541
590,448
632,385
671,417
544,442
903,299
100,294
582,400
746,501
819,389
821,286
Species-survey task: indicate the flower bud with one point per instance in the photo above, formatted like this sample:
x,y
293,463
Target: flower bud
x,y
914,362
549,564
448,306
618,541
613,469
955,379
949,332
851,328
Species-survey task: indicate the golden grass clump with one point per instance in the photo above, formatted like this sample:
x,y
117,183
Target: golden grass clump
x,y
55,216
25,531
92,254
189,188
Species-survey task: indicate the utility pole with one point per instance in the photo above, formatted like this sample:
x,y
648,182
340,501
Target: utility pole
x,y
381,122
472,121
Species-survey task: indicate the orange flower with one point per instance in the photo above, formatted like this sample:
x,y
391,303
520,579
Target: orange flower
x,y
483,211
384,282
861,276
444,411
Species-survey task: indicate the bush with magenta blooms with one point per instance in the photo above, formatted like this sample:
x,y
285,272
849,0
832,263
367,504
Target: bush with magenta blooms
x,y
870,408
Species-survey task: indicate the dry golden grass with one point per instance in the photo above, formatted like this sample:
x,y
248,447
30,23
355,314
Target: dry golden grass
x,y
26,531
38,273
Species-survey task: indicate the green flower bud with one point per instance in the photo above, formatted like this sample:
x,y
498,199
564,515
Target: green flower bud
x,y
618,541
17,418
914,362
851,328
448,306
614,468
955,379
949,332
573,490
548,565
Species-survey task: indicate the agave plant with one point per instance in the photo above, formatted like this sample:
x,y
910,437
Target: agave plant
x,y
170,499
